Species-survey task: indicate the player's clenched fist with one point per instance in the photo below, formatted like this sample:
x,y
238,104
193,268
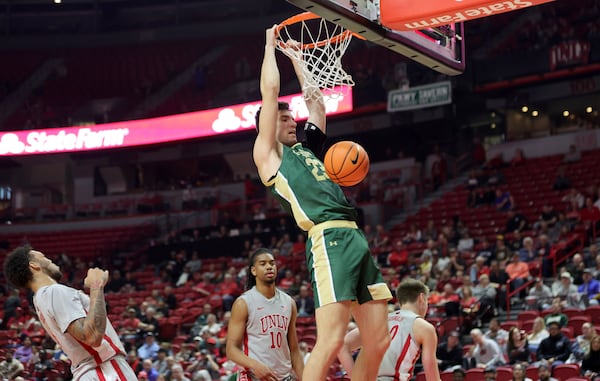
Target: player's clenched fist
x,y
96,278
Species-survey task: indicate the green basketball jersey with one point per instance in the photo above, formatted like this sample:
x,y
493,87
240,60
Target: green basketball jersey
x,y
306,191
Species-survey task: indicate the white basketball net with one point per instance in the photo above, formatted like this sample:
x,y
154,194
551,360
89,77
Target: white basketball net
x,y
322,46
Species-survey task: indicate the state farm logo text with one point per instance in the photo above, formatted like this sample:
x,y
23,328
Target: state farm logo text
x,y
466,14
44,142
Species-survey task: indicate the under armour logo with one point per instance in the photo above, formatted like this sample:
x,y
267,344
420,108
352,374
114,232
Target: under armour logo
x,y
332,243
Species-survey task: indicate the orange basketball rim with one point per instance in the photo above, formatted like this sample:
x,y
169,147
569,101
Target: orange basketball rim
x,y
306,16
409,15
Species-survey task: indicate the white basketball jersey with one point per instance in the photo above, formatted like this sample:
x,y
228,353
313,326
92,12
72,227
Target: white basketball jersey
x,y
403,352
266,332
57,307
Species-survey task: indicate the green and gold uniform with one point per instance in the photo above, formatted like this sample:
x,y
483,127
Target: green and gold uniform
x,y
338,256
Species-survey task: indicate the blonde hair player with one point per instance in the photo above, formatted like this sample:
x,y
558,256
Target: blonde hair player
x,y
411,336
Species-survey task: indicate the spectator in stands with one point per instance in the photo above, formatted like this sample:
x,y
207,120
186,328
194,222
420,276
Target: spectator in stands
x,y
9,366
497,333
539,295
572,155
430,232
543,248
24,351
527,252
515,222
478,152
556,314
590,216
426,264
149,349
129,326
177,373
398,256
485,249
160,364
503,201
574,198
299,247
12,302
205,287
170,300
148,322
537,334
115,282
285,245
465,242
519,372
556,348
469,309
562,181
517,347
575,267
590,256
457,264
305,302
148,370
581,344
201,320
518,158
500,250
450,352
229,289
287,281
490,373
478,268
590,288
548,215
568,292
195,263
485,293
436,167
204,366
544,372
484,352
518,272
590,366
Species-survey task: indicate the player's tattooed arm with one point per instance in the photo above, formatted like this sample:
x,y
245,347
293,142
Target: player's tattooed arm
x,y
91,328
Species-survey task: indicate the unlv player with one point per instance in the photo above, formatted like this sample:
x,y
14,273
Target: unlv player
x,y
261,336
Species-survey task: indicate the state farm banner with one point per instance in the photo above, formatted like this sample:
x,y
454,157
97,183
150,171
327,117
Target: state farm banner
x,y
569,53
191,125
407,15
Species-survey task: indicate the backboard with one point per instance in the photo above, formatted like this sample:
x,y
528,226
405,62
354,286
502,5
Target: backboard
x,y
440,48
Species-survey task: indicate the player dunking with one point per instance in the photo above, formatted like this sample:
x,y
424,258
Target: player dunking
x,y
411,336
261,336
344,276
76,322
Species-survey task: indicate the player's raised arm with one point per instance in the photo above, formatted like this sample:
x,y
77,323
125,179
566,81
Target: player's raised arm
x,y
91,329
266,147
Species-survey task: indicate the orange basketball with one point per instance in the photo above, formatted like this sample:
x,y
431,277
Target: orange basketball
x,y
346,163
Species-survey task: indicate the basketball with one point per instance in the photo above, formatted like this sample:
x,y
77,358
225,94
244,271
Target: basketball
x,y
346,163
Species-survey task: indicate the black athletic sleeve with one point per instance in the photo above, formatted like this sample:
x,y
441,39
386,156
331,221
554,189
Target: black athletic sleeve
x,y
314,139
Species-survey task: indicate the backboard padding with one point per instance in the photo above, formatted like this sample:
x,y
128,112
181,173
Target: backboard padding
x,y
410,44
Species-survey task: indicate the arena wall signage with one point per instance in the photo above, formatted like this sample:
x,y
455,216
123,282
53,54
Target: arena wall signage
x,y
191,125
